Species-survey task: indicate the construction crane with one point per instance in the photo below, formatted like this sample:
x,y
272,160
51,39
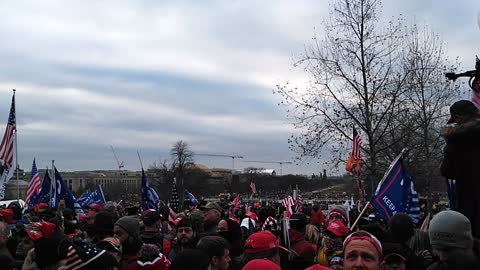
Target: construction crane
x,y
120,164
233,157
271,162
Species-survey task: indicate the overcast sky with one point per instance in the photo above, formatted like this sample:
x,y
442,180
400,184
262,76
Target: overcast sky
x,y
144,74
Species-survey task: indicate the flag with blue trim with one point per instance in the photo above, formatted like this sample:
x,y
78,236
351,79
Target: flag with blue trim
x,y
62,192
95,197
397,194
150,197
83,198
192,198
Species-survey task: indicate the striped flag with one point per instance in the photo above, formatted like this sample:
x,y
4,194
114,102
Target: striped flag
x,y
253,187
171,218
288,203
34,185
7,149
299,204
357,144
355,158
174,197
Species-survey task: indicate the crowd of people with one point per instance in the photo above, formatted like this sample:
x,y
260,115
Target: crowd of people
x,y
220,236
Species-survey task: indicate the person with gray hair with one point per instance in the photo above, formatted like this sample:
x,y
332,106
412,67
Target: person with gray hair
x,y
451,238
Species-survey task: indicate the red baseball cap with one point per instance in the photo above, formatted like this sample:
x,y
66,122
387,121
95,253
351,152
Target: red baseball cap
x,y
261,264
262,241
252,215
338,229
41,207
7,215
40,229
96,207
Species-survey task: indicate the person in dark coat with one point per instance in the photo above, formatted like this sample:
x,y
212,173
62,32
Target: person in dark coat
x,y
461,159
303,251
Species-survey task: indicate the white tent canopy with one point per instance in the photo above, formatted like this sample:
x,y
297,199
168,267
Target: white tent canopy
x,y
4,204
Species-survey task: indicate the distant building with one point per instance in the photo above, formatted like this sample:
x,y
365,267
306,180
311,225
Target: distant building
x,y
15,187
252,170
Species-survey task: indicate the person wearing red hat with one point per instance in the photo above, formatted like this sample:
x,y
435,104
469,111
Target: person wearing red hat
x,y
7,215
262,245
45,254
332,243
152,221
338,213
93,209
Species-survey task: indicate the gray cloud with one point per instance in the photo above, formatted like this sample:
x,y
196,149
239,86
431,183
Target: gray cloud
x,y
143,74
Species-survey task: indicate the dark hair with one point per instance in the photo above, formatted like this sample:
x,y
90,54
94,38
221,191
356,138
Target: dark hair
x,y
213,245
260,255
298,221
401,227
191,259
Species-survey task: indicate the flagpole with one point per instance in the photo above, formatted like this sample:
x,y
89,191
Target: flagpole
x,y
141,182
139,158
16,152
53,183
390,168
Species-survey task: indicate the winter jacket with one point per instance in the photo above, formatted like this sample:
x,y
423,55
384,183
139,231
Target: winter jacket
x,y
304,251
460,162
155,238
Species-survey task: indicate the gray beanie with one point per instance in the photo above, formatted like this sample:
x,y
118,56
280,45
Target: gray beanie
x,y
450,229
129,224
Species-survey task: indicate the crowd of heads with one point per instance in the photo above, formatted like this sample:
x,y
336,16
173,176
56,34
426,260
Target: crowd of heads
x,y
222,237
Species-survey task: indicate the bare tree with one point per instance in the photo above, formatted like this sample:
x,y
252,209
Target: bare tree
x,y
427,97
164,168
182,160
355,81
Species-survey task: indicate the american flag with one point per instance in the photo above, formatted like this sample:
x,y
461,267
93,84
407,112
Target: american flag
x,y
253,187
7,147
299,204
34,185
357,145
174,197
288,203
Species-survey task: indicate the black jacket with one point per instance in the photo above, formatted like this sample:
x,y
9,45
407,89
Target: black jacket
x,y
462,162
